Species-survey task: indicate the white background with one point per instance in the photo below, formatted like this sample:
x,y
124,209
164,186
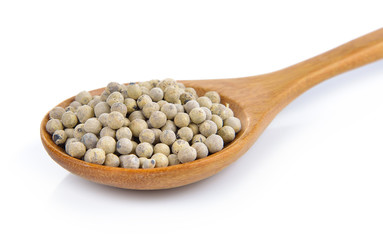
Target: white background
x,y
315,173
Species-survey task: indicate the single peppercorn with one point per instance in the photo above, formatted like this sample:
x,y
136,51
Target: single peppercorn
x,y
157,119
129,161
107,143
112,160
198,138
76,149
214,143
83,97
181,120
148,163
115,120
69,132
178,145
143,100
103,118
107,131
113,87
191,105
59,137
79,131
233,122
92,125
187,154
124,132
149,108
173,160
56,113
161,160
207,128
144,150
197,115
217,120
201,149
89,140
136,127
168,137
156,94
95,155
115,97
134,91
161,148
124,146
185,133
170,110
213,96
169,125
147,135
69,119
84,113
204,102
131,105
227,133
119,107
53,125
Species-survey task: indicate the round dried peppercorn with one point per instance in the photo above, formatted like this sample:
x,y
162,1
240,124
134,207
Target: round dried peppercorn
x,y
112,160
84,113
187,154
214,143
115,120
69,119
136,127
59,137
129,161
95,155
108,144
157,119
161,160
53,125
181,120
156,94
89,140
83,97
56,113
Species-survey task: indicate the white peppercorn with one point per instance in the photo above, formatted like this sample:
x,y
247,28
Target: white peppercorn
x,y
115,120
53,125
201,148
112,160
76,149
169,125
124,91
96,100
124,132
69,132
79,131
148,163
161,148
84,113
136,115
173,160
124,146
171,94
70,109
83,97
103,118
181,120
107,143
161,160
89,140
129,161
170,110
107,131
168,137
75,105
136,127
134,91
119,107
156,94
92,125
217,120
207,128
69,141
192,91
213,96
233,122
197,115
56,113
59,137
113,87
178,145
146,84
115,97
185,133
147,135
198,138
157,119
190,105
131,105
95,155
204,102
145,91
217,108
69,119
149,108
144,150
187,154
143,100
227,133
214,143
104,95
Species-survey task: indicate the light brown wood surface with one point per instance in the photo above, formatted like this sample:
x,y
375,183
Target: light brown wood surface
x,y
255,100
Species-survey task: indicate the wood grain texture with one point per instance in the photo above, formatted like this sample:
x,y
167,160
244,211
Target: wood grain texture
x,y
255,100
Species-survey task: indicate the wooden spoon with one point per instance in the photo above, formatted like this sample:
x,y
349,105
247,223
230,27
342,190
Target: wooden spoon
x,y
255,101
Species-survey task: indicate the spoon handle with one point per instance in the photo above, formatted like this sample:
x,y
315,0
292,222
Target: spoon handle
x,y
294,80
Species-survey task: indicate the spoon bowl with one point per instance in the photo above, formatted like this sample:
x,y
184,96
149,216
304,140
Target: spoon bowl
x,y
255,100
